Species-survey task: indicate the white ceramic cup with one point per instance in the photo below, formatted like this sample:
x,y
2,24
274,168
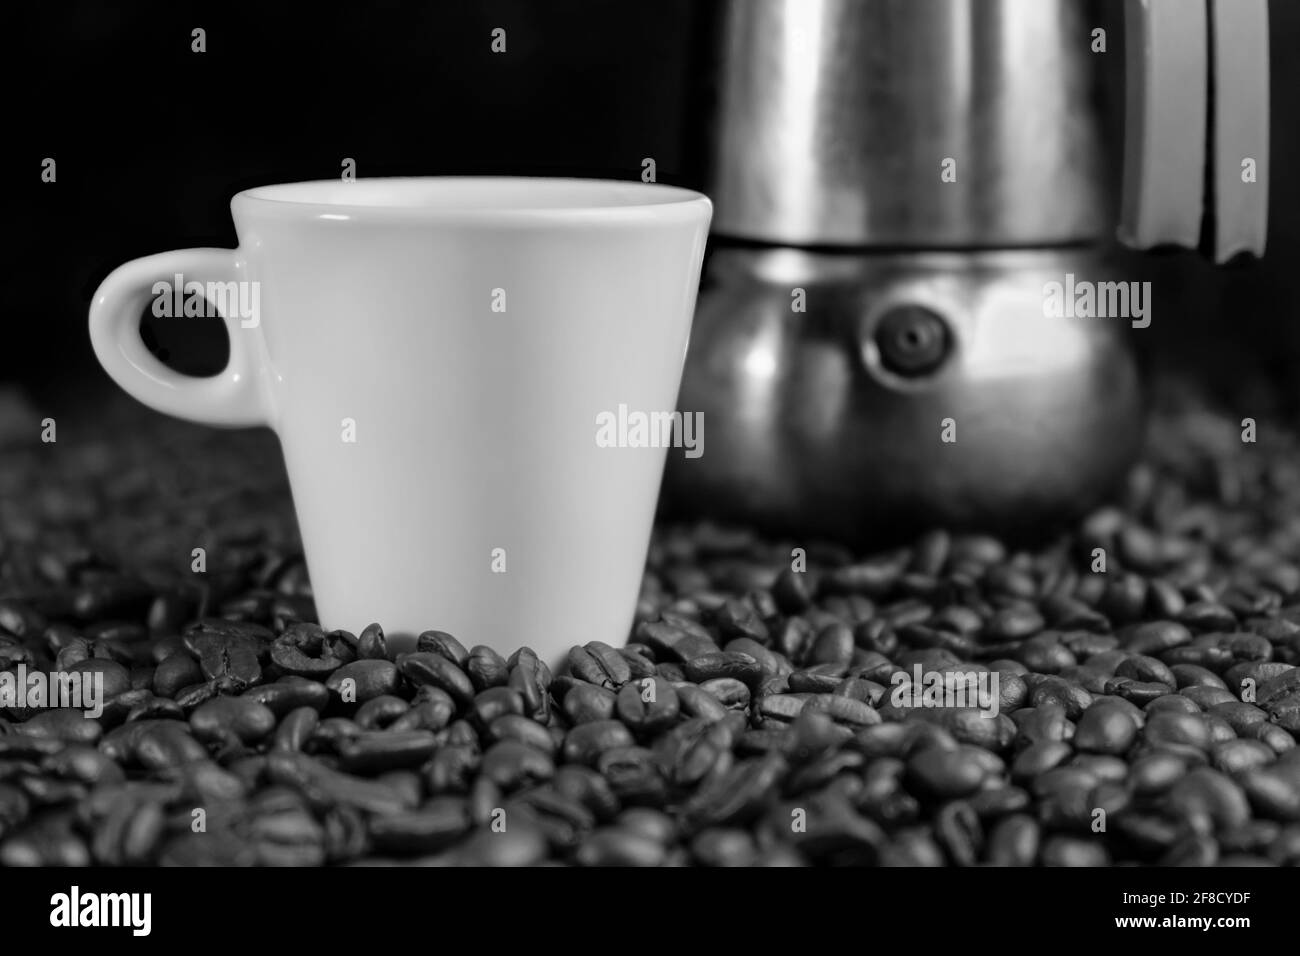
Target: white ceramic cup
x,y
435,355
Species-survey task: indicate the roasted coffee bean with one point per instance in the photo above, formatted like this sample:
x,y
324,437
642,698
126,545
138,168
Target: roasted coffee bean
x,y
1236,756
66,725
946,774
531,678
584,743
116,678
599,664
224,718
331,732
290,693
511,764
1208,800
619,846
380,712
295,729
520,728
737,795
1064,795
565,822
495,702
1105,729
731,693
426,668
1207,697
1154,637
485,668
376,751
1173,730
305,650
791,591
372,645
1172,704
1272,794
322,786
693,749
587,703
520,844
177,671
440,642
957,829
999,801
817,679
741,667
650,704
451,768
1039,758
81,763
1014,841
723,846
1073,851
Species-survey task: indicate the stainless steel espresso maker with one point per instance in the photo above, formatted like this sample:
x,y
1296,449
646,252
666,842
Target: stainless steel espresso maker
x,y
897,185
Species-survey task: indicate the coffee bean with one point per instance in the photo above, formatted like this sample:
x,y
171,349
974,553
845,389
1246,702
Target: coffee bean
x,y
531,678
486,668
1172,704
116,678
737,666
440,642
1155,637
1208,800
295,729
305,650
425,668
222,718
584,743
375,751
451,768
1207,697
1073,851
495,702
650,704
1172,730
599,664
1014,841
360,681
1272,794
371,645
1105,729
722,846
1037,759
380,712
66,725
321,785
946,774
176,671
588,703
619,846
522,844
911,847
1236,756
731,693
737,795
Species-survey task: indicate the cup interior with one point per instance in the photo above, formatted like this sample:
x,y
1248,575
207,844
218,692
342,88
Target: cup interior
x,y
487,195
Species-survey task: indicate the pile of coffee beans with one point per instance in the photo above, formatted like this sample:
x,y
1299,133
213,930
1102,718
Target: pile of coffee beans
x,y
1141,700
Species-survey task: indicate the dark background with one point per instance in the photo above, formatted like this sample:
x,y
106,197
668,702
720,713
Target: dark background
x,y
151,141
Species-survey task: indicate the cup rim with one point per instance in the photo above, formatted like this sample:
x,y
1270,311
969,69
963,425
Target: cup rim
x,y
607,200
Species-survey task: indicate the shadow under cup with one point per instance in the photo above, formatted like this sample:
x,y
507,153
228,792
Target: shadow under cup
x,y
439,358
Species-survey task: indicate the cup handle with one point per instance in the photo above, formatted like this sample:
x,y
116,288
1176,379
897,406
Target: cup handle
x,y
233,397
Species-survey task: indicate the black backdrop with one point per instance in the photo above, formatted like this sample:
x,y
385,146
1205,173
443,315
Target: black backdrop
x,y
151,140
